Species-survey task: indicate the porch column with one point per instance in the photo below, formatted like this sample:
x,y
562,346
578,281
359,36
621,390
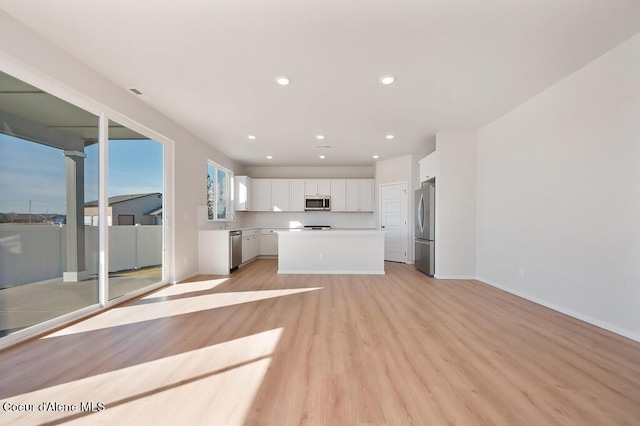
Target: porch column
x,y
76,268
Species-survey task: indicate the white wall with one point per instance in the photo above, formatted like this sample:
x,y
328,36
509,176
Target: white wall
x,y
309,172
559,195
456,205
398,170
36,61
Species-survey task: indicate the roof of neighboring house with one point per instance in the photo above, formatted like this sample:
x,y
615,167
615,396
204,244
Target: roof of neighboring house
x,y
121,198
155,212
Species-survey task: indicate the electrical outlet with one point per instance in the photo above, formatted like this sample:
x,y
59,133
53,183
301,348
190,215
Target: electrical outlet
x,y
321,256
521,272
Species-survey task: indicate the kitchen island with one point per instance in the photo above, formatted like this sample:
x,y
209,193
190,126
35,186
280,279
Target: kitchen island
x,y
333,251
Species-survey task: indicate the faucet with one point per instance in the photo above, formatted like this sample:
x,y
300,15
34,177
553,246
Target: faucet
x,y
228,217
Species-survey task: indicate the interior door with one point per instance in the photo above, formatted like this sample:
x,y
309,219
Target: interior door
x,y
393,220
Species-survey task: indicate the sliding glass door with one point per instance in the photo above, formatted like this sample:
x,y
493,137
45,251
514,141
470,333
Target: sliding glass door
x,y
50,231
47,172
135,211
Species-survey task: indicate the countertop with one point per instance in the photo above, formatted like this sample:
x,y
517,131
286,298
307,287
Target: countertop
x,y
294,229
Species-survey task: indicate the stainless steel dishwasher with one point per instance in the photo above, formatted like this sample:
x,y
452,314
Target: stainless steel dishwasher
x,y
235,249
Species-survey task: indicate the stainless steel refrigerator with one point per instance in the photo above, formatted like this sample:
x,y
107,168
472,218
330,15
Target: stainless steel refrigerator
x,y
425,229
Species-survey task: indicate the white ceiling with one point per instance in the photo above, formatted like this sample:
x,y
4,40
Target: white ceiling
x,y
210,65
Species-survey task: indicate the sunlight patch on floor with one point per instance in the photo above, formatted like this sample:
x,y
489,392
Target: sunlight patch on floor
x,y
217,383
130,314
189,287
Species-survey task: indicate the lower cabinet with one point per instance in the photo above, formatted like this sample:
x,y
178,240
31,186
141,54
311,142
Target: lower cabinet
x,y
268,242
249,244
246,242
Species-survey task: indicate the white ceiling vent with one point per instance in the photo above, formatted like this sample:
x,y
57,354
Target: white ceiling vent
x,y
139,94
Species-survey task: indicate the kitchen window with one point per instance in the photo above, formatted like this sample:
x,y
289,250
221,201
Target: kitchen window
x,y
218,192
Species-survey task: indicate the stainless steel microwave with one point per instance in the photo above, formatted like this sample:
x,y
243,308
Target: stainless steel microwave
x,y
317,202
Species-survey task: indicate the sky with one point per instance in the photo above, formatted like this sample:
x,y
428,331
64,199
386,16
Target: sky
x,y
31,172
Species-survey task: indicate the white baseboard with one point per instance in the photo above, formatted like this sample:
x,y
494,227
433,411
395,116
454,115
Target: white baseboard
x,y
184,277
305,272
582,317
454,277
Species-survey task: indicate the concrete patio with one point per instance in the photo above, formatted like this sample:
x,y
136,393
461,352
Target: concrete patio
x,y
29,304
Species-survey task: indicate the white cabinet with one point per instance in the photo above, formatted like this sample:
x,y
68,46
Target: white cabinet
x,y
347,195
429,167
296,186
268,242
254,246
324,186
246,242
338,195
280,195
317,187
270,195
242,193
351,195
359,195
366,195
261,195
249,244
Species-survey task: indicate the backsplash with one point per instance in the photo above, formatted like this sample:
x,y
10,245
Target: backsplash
x,y
288,220
300,219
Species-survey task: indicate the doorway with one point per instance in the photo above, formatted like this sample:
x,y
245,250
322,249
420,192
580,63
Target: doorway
x,y
393,220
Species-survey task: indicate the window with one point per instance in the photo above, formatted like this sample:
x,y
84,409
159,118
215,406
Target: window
x,y
218,192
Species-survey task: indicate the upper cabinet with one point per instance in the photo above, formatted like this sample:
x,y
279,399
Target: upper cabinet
x,y
242,193
264,195
270,195
261,195
280,195
317,187
297,195
359,195
429,167
338,195
366,195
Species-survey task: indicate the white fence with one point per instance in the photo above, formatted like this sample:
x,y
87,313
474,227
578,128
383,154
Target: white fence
x,y
37,252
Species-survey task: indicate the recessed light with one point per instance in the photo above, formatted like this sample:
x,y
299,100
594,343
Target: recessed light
x,y
321,157
320,137
269,157
387,79
389,137
282,80
376,156
252,137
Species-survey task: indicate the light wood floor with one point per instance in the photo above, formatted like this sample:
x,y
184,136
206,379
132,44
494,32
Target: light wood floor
x,y
258,348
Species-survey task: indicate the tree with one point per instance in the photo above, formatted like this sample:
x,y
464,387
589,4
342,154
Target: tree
x,y
210,195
